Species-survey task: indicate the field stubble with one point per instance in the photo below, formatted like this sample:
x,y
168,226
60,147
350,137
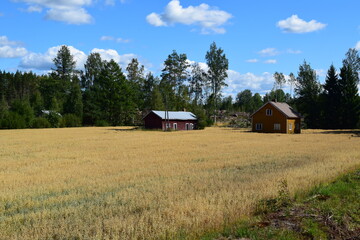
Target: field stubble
x,y
109,183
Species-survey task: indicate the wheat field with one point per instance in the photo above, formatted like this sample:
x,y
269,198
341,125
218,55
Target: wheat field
x,y
115,183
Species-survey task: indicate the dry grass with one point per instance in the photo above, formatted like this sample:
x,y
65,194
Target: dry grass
x,y
105,183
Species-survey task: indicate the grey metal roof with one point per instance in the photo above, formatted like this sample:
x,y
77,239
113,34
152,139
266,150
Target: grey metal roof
x,y
286,109
282,107
176,115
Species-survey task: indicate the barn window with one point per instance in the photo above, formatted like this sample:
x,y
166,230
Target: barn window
x,y
268,112
290,126
258,126
175,126
187,126
277,126
191,126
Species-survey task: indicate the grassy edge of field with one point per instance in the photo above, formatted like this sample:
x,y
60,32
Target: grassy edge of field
x,y
328,211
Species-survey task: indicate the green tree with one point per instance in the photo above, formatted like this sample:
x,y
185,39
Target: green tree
x,y
279,82
257,102
218,65
352,60
74,104
93,67
244,101
308,90
136,78
332,100
64,64
350,101
197,82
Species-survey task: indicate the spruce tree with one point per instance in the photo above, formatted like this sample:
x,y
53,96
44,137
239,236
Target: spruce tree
x,y
332,100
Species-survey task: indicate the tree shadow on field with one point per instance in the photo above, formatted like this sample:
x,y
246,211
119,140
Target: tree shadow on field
x,y
354,133
123,130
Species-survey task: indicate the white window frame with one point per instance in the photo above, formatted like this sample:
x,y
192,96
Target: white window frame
x,y
290,126
269,112
191,126
277,126
175,126
258,126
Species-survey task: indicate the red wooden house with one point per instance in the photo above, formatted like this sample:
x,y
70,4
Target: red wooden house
x,y
170,120
276,117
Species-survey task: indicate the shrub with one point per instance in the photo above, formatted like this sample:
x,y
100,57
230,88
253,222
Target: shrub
x,y
13,120
70,120
101,123
40,122
54,119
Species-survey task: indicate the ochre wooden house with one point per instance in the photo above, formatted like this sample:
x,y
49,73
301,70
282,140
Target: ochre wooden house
x,y
276,117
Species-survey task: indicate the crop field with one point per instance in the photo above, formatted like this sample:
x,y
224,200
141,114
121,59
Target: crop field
x,y
116,183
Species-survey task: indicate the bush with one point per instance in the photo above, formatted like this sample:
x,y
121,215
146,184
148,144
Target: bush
x,y
101,123
70,120
54,119
13,120
40,122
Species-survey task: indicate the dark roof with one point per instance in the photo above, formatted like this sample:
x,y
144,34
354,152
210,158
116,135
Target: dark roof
x,y
284,108
175,115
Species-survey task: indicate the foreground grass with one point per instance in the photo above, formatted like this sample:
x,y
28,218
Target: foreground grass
x,y
110,183
329,211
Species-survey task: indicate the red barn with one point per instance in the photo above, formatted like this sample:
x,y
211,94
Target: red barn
x,y
174,120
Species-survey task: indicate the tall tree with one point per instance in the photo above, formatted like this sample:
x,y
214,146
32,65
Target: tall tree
x,y
279,82
308,90
197,83
292,82
352,60
350,101
218,65
64,64
93,67
172,78
244,101
332,100
136,78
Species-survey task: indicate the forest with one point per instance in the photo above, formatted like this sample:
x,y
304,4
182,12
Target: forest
x,y
104,94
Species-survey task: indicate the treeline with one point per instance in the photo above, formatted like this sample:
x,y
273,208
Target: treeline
x,y
103,94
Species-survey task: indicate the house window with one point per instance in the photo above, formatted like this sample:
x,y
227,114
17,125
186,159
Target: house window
x,y
168,125
290,126
175,126
187,126
268,112
277,126
191,126
258,126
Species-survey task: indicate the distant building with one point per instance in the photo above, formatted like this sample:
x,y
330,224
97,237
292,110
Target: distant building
x,y
276,117
175,120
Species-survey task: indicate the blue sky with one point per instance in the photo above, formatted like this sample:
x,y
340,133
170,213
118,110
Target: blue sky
x,y
258,37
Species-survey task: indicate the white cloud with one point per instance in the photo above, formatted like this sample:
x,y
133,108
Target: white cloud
x,y
294,24
270,61
70,16
108,54
292,51
357,47
68,11
210,19
269,52
34,8
44,61
5,41
238,82
110,2
12,52
118,40
252,60
11,49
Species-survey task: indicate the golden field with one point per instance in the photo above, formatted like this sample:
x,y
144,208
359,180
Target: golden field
x,y
112,183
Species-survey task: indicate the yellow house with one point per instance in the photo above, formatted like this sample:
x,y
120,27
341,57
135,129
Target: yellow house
x,y
276,117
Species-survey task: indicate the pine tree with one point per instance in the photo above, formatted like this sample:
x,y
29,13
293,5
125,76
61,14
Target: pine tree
x,y
350,101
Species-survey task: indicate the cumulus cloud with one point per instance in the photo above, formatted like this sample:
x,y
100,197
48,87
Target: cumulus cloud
x,y
210,19
108,54
357,47
11,49
44,61
294,24
238,82
269,52
68,11
270,61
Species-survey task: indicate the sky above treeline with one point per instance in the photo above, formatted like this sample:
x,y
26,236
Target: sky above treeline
x,y
258,37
